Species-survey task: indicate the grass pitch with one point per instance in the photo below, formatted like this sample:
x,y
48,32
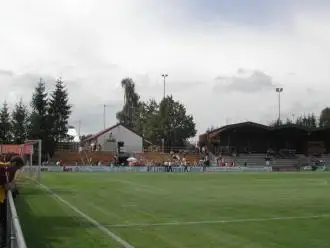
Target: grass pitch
x,y
232,210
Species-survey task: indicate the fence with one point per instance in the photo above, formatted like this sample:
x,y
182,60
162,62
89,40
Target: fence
x,y
148,169
171,149
15,237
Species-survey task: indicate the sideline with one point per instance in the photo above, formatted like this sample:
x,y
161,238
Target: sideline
x,y
186,223
124,243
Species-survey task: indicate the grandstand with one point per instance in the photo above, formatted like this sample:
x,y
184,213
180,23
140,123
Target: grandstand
x,y
285,147
251,160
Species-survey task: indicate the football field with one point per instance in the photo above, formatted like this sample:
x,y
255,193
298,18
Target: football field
x,y
149,210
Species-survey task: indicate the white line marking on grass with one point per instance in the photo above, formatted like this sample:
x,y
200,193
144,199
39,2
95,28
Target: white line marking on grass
x,y
88,218
148,188
220,221
129,205
319,181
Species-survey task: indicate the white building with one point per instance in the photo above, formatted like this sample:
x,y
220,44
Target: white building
x,y
109,138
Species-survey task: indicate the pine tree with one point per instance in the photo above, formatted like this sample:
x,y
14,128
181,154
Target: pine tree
x,y
6,135
324,120
40,123
39,106
59,111
20,122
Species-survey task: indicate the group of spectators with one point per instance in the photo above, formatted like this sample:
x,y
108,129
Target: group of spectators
x,y
170,161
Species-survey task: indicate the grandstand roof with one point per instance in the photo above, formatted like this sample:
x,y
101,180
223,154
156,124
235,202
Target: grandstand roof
x,y
217,131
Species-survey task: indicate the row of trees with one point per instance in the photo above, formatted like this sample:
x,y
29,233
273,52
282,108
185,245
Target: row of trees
x,y
305,120
167,120
309,120
46,118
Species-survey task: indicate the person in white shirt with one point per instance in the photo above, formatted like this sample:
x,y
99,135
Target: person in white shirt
x,y
267,163
185,164
170,167
166,166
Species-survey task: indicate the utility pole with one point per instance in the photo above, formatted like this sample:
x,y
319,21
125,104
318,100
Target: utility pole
x,y
164,76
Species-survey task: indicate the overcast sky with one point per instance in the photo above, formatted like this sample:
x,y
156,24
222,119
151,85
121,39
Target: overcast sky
x,y
224,57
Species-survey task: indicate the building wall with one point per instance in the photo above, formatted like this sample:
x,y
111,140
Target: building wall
x,y
133,142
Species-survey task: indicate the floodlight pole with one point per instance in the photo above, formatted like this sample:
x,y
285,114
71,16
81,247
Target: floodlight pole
x,y
279,91
164,76
104,116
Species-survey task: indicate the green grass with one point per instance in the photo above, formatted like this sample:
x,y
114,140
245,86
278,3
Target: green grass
x,y
128,198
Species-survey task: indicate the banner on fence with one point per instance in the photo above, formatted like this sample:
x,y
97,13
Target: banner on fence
x,y
23,149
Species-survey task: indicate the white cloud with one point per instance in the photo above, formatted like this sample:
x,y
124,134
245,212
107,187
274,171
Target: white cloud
x,y
92,45
244,81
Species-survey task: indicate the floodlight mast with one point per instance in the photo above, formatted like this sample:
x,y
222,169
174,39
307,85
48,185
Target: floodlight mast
x,y
279,91
164,75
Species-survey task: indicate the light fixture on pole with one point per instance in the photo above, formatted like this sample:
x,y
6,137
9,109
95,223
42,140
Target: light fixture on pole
x,y
279,91
164,76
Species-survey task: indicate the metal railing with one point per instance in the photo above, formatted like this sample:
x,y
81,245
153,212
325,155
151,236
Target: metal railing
x,y
15,237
